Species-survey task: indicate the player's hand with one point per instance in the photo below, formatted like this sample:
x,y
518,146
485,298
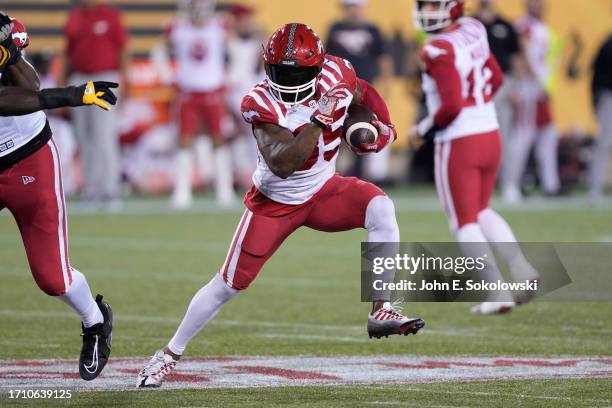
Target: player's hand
x,y
330,103
386,134
9,53
415,140
20,35
98,93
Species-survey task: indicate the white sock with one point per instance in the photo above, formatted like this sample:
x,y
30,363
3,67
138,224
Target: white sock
x,y
382,227
182,181
474,244
79,298
224,180
205,158
205,305
499,234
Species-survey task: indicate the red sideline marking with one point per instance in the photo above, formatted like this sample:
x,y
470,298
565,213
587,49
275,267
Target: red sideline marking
x,y
435,364
534,363
280,372
174,377
496,363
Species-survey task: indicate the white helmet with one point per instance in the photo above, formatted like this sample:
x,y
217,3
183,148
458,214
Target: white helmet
x,y
431,21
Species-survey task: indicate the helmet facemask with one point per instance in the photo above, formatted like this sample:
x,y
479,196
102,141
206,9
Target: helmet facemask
x,y
291,84
431,21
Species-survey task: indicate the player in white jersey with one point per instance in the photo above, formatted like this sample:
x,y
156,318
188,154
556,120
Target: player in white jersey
x,y
244,69
31,187
197,39
297,114
534,127
460,79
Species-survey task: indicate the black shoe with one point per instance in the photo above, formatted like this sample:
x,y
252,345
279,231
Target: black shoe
x,y
96,344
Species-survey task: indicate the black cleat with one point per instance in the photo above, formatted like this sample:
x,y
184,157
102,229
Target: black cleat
x,y
96,344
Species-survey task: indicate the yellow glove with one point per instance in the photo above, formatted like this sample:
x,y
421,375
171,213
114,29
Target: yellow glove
x,y
99,93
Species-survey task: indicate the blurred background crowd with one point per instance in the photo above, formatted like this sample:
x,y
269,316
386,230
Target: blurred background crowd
x,y
178,127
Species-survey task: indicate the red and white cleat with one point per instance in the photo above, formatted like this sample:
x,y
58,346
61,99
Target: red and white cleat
x,y
389,320
152,376
491,308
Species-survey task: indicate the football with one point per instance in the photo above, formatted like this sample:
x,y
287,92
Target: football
x,y
358,128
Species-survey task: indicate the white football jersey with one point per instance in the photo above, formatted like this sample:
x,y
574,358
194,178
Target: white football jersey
x,y
16,131
200,54
537,47
471,49
259,106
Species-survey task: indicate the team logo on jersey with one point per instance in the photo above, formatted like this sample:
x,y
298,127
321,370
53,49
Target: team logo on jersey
x,y
434,52
248,116
28,179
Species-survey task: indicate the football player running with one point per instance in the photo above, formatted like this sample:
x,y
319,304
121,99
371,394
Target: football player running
x,y
297,114
31,187
460,79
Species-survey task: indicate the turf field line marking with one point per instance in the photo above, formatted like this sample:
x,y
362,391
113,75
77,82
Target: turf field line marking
x,y
450,332
357,329
312,337
412,404
499,394
427,202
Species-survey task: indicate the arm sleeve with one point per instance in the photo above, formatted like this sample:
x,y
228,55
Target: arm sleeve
x,y
372,99
439,59
497,78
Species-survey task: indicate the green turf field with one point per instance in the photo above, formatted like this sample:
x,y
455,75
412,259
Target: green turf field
x,y
305,302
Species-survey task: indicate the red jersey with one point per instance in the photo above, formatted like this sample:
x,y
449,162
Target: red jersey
x,y
96,38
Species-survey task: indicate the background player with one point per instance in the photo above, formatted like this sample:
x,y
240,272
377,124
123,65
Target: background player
x,y
460,79
297,114
31,188
197,41
533,121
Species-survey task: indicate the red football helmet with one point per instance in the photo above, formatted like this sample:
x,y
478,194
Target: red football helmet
x,y
440,15
293,59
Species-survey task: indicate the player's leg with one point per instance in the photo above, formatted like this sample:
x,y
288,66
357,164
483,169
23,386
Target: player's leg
x,y
495,228
188,125
106,167
459,183
547,159
347,203
214,116
255,241
39,209
521,142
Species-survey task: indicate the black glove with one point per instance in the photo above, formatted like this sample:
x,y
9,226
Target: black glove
x,y
92,93
9,53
